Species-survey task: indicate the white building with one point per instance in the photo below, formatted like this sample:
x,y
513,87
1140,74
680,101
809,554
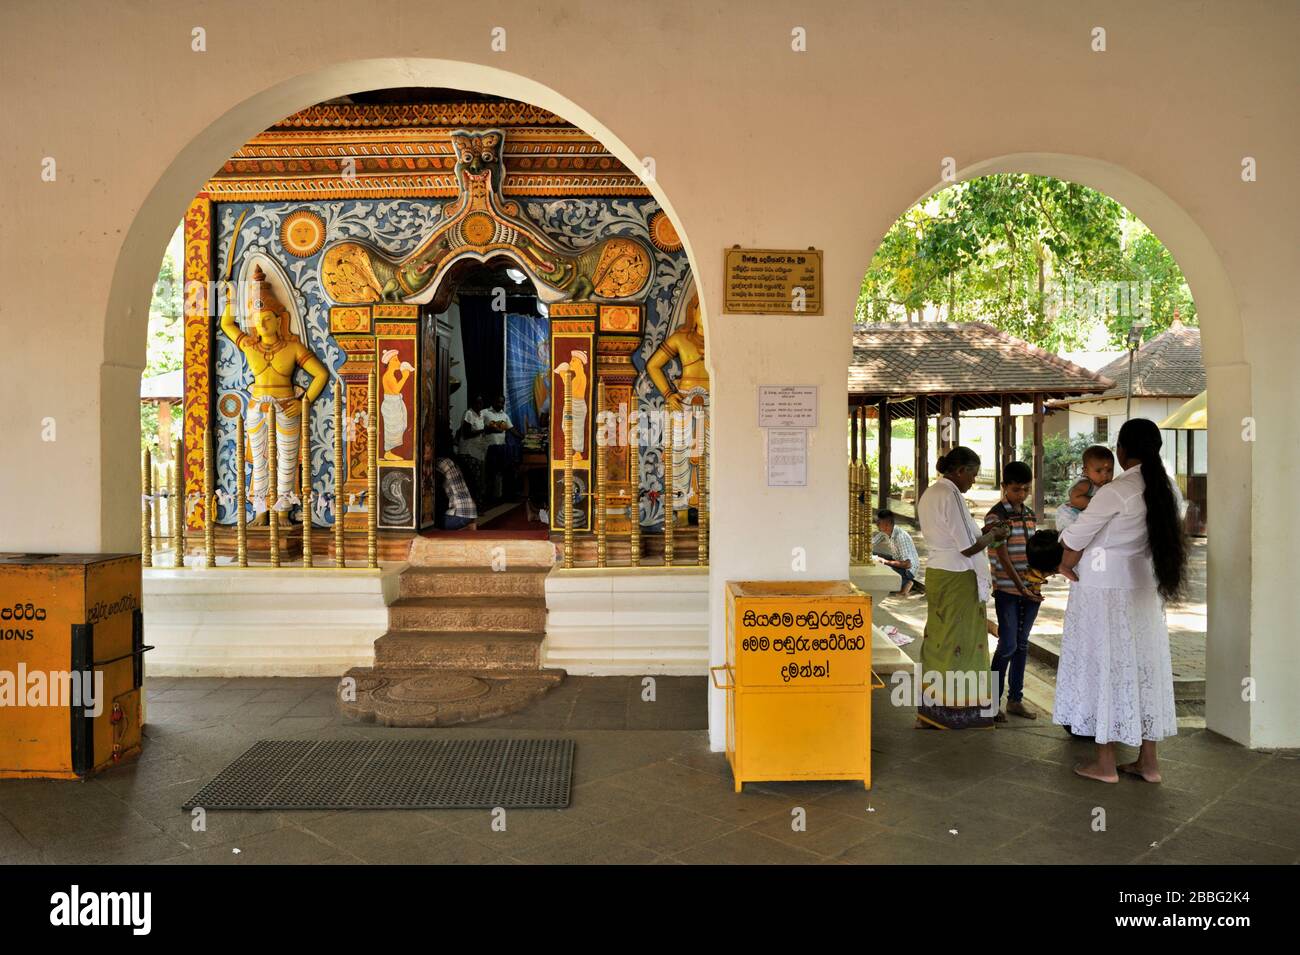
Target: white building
x,y
1167,371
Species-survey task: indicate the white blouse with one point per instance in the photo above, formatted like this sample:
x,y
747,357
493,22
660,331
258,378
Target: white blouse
x,y
949,529
1112,533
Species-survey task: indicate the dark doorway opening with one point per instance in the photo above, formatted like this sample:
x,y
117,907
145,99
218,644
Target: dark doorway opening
x,y
489,402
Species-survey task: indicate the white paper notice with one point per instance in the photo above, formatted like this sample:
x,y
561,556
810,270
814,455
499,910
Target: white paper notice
x,y
787,457
787,406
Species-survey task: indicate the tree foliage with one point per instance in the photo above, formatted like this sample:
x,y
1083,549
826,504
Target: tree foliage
x,y
1049,261
165,346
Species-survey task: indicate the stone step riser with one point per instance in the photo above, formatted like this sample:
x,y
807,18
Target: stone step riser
x,y
473,619
486,584
465,552
457,654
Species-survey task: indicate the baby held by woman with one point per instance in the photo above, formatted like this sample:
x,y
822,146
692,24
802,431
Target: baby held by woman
x,y
1098,469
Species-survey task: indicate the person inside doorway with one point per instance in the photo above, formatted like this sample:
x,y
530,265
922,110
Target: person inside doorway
x,y
896,549
471,445
502,448
461,511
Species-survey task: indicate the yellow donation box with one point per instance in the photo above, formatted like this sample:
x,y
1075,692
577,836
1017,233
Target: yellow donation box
x,y
71,663
798,681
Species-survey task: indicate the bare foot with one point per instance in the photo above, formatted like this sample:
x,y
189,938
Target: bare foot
x,y
1093,771
1136,769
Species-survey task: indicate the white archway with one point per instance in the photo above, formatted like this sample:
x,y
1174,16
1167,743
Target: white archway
x,y
1228,604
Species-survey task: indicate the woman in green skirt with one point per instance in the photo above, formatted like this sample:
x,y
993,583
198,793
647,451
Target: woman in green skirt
x,y
955,652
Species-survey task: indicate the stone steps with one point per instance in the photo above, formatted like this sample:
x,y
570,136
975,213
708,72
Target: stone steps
x,y
485,553
468,614
418,696
519,650
456,582
464,641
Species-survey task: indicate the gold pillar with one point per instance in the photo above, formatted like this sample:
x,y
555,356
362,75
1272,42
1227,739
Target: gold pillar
x,y
146,543
703,478
304,446
273,484
372,477
567,422
209,499
178,504
853,513
241,497
670,522
599,498
634,483
340,559
155,504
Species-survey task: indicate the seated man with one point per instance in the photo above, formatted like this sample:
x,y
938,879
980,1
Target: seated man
x,y
461,511
896,548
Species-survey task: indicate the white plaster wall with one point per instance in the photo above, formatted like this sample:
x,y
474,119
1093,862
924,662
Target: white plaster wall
x,y
753,144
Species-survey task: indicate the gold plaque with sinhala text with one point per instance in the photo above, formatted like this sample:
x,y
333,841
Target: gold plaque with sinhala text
x,y
772,281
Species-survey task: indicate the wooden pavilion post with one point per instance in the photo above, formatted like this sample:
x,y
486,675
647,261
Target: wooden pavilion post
x,y
1038,455
921,465
885,436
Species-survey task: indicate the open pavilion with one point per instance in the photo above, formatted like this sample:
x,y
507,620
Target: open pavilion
x,y
915,370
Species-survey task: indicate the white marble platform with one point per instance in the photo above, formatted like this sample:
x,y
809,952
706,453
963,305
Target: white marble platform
x,y
876,580
628,621
226,622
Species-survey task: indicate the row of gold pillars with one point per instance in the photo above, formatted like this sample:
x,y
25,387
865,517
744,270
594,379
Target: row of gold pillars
x,y
860,516
672,442
176,517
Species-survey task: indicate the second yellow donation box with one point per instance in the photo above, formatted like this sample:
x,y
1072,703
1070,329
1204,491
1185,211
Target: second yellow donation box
x,y
799,678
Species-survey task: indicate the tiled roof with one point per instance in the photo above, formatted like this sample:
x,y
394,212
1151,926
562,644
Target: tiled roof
x,y
960,358
1168,366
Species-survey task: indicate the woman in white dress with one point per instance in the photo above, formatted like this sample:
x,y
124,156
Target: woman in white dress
x,y
1126,556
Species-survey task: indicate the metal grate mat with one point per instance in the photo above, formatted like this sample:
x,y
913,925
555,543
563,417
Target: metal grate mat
x,y
394,774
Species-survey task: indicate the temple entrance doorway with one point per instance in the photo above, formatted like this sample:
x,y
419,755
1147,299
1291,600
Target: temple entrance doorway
x,y
487,385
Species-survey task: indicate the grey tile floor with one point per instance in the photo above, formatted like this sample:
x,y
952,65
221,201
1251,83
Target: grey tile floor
x,y
648,790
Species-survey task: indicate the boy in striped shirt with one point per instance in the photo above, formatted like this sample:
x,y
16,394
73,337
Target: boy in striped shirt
x,y
1015,600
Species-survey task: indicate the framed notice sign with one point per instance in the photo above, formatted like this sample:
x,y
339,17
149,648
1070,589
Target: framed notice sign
x,y
787,406
787,457
772,281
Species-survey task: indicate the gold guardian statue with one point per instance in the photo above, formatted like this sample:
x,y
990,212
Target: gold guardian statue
x,y
690,390
273,353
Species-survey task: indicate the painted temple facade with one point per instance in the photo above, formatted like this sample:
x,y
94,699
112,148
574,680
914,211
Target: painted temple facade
x,y
354,224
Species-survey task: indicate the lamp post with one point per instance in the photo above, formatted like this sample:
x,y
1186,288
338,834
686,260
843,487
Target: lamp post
x,y
1134,343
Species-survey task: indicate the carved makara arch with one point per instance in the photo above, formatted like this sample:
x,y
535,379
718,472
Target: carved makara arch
x,y
480,225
